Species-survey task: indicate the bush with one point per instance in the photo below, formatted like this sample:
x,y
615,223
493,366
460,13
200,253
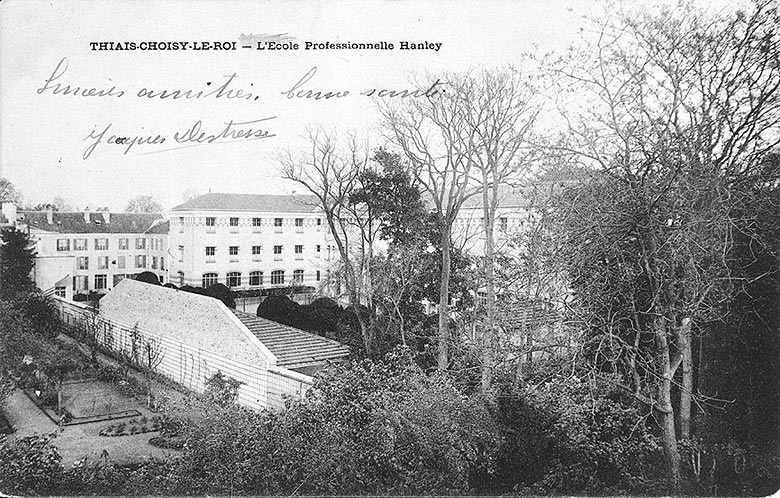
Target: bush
x,y
571,434
29,465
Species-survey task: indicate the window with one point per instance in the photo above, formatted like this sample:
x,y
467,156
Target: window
x,y
211,252
318,275
101,244
181,224
162,263
80,283
140,261
140,243
319,221
277,277
298,276
277,253
181,278
233,251
319,249
256,278
234,279
124,244
63,244
210,221
154,262
299,225
256,251
233,221
278,225
102,262
298,251
503,223
59,291
100,282
82,262
256,224
181,254
209,279
117,279
79,244
120,262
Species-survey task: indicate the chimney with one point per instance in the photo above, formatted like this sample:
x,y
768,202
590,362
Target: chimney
x,y
106,215
86,214
50,215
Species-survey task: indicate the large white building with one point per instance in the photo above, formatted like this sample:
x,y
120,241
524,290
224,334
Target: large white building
x,y
79,253
249,241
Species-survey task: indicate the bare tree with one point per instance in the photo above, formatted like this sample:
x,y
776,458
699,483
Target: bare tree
x,y
501,107
438,141
143,204
331,174
152,355
674,107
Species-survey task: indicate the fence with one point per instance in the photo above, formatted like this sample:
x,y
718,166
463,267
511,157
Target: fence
x,y
187,365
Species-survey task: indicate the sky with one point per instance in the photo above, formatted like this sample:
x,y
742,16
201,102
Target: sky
x,y
44,137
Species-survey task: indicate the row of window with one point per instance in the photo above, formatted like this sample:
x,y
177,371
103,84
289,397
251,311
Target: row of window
x,y
101,244
81,283
233,279
211,251
233,221
103,262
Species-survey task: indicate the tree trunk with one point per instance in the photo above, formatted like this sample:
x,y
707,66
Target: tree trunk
x,y
686,387
444,294
669,435
489,330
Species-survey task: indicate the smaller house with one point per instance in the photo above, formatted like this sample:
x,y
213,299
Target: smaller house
x,y
198,336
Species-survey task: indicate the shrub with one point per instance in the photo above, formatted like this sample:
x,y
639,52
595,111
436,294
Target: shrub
x,y
571,434
30,465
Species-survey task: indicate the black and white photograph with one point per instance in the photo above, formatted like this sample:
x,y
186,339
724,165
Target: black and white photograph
x,y
389,248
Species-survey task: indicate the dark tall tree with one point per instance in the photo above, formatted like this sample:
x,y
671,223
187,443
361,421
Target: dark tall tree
x,y
17,259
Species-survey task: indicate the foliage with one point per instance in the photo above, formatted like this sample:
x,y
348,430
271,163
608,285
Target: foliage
x,y
569,433
222,389
29,465
393,197
8,192
17,258
41,313
148,277
217,291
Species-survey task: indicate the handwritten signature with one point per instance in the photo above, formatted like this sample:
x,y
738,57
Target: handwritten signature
x,y
194,135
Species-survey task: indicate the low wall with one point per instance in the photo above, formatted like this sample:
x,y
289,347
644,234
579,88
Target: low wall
x,y
189,366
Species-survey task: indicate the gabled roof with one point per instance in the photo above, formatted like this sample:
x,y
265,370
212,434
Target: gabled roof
x,y
251,203
76,223
292,347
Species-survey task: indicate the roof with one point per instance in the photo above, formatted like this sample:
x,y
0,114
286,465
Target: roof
x,y
193,319
159,226
251,203
293,348
75,222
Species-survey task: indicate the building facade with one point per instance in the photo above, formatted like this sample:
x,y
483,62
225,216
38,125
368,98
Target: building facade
x,y
249,241
79,253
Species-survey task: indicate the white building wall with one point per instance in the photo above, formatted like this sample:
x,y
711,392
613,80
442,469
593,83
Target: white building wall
x,y
52,265
189,238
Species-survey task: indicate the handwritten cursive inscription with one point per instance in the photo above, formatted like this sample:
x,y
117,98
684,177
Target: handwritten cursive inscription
x,y
233,131
61,89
